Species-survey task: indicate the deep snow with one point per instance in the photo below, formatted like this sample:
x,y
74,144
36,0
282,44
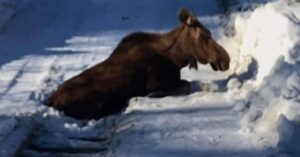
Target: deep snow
x,y
251,110
266,45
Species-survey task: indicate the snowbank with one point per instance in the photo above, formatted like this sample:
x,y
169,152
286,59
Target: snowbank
x,y
267,44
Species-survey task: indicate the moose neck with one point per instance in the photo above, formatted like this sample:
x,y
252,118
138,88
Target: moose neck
x,y
173,48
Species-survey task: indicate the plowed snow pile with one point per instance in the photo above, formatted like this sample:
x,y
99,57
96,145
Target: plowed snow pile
x,y
267,47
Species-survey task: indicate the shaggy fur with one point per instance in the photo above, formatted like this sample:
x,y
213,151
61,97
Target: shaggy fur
x,y
142,64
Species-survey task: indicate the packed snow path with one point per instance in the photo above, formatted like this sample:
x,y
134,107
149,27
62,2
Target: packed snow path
x,y
183,127
50,41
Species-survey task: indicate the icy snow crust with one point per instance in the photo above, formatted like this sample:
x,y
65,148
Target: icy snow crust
x,y
251,110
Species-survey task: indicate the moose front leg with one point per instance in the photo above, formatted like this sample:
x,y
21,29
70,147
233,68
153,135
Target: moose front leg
x,y
183,87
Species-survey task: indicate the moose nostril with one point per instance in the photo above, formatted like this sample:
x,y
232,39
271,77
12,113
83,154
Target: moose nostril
x,y
224,66
214,67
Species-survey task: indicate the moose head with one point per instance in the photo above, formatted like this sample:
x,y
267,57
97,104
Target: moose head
x,y
196,41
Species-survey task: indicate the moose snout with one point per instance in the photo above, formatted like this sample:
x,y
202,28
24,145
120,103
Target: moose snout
x,y
224,66
220,59
220,66
225,63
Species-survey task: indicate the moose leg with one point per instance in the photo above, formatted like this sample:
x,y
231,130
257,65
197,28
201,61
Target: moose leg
x,y
183,88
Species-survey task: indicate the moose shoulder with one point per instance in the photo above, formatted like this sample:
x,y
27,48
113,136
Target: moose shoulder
x,y
142,64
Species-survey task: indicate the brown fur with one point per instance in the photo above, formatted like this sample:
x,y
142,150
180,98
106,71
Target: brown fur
x,y
142,64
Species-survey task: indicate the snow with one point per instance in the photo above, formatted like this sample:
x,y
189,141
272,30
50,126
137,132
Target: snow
x,y
269,34
183,127
9,9
6,126
251,110
269,37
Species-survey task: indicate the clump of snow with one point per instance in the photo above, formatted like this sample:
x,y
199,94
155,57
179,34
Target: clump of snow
x,y
268,38
270,32
233,84
240,106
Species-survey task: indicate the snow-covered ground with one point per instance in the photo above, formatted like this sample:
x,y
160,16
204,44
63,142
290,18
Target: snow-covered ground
x,y
10,8
251,110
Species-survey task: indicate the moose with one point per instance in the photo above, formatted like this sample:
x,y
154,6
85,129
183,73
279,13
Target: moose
x,y
143,64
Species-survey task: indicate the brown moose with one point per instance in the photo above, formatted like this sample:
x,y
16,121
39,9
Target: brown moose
x,y
142,64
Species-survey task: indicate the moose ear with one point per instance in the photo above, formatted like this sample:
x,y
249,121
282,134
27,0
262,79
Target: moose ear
x,y
185,16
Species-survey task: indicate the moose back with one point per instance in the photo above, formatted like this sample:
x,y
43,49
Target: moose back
x,y
142,64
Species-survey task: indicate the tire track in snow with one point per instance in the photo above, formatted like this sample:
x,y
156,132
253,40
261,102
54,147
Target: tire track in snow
x,y
13,80
28,75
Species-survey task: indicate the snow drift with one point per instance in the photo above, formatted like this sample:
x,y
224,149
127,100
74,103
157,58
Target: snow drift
x,y
269,39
